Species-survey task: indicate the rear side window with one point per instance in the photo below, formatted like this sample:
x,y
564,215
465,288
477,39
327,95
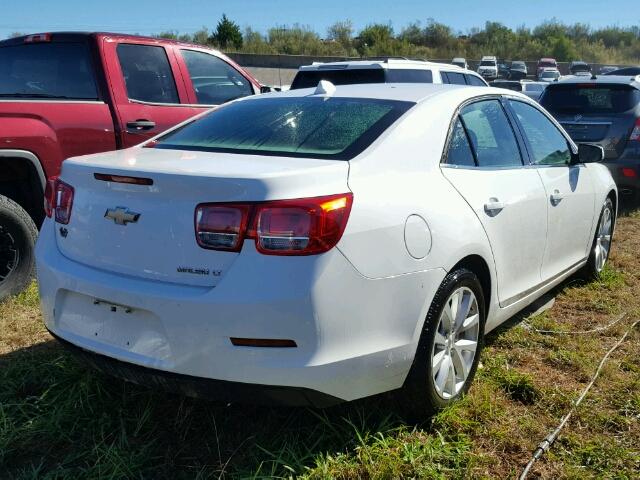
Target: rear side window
x,y
475,81
459,152
454,78
590,98
47,70
312,127
548,146
147,73
409,76
491,135
213,79
310,78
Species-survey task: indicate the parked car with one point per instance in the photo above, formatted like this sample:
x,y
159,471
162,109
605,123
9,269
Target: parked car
x,y
488,67
384,71
606,69
508,84
549,75
604,111
626,71
503,70
518,70
239,255
578,67
70,94
460,62
545,63
533,89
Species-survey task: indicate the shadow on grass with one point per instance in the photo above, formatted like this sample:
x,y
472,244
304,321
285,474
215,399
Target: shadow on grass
x,y
61,419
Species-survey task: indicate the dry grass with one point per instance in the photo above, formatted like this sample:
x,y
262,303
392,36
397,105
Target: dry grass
x,y
59,420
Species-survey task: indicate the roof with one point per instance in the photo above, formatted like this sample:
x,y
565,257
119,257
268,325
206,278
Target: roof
x,y
389,63
603,79
408,92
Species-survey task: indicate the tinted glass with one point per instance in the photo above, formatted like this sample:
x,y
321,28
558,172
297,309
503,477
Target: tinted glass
x,y
590,98
487,63
335,128
213,79
42,70
491,135
534,87
548,145
475,81
409,76
456,78
515,86
459,152
547,64
147,73
310,78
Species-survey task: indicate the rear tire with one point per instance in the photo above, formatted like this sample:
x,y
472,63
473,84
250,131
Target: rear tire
x,y
448,354
601,247
18,236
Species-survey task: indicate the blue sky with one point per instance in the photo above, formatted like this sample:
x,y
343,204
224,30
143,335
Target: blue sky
x,y
146,17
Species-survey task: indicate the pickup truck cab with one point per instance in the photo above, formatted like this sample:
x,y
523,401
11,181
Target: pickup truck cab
x,y
69,94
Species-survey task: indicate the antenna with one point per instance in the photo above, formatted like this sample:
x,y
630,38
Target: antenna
x,y
325,88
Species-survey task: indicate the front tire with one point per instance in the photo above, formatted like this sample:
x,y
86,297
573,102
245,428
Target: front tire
x,y
449,349
18,236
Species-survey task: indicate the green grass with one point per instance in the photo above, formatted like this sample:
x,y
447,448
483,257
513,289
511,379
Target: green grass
x,y
62,420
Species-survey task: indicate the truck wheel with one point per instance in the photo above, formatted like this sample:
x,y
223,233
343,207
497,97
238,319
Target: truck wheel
x,y
18,236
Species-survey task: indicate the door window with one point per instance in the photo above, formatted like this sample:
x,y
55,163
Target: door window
x,y
548,146
475,81
491,135
453,78
147,73
459,152
214,80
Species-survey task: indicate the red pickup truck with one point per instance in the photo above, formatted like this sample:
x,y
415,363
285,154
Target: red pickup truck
x,y
69,94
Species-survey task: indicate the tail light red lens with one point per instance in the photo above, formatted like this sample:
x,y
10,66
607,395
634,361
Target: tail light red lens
x,y
629,172
221,227
635,133
306,226
58,200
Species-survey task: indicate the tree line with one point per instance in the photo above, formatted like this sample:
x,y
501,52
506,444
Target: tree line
x,y
429,39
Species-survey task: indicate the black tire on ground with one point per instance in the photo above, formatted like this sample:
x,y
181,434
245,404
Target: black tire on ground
x,y
418,399
591,270
18,236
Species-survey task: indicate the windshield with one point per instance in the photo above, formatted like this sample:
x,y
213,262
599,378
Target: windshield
x,y
310,78
547,64
591,98
581,67
549,75
312,127
487,63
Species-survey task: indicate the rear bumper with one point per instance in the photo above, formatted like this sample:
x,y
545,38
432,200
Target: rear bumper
x,y
626,173
355,336
207,388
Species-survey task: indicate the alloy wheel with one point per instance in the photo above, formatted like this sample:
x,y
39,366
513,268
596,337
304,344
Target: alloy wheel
x,y
456,341
603,238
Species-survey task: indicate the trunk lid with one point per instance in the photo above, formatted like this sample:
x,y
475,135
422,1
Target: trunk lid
x,y
595,112
161,244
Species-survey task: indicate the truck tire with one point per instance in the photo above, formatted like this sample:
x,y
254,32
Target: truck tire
x,y
18,236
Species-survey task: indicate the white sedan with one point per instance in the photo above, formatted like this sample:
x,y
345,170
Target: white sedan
x,y
318,246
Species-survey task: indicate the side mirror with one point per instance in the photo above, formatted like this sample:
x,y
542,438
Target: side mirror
x,y
589,153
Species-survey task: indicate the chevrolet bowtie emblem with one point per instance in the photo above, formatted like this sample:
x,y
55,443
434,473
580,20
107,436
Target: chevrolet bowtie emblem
x,y
121,215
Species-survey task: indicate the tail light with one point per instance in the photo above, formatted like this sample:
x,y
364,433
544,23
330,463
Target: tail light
x,y
635,133
58,200
306,226
629,172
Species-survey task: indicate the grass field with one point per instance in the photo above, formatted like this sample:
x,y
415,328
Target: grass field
x,y
60,420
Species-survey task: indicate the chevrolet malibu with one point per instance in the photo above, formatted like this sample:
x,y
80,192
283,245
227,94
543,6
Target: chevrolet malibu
x,y
321,245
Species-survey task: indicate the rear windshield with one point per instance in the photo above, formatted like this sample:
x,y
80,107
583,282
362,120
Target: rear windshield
x,y
590,98
312,127
310,78
547,64
306,79
47,70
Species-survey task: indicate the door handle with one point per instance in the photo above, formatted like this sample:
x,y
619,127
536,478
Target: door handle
x,y
556,197
141,124
493,207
